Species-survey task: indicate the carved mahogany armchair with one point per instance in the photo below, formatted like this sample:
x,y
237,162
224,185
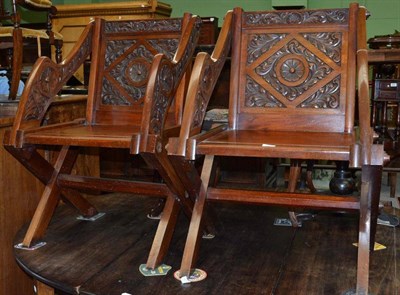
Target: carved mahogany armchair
x,y
135,101
293,96
14,38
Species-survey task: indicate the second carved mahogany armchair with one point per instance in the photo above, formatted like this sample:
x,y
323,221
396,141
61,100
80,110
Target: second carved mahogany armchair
x,y
136,90
293,82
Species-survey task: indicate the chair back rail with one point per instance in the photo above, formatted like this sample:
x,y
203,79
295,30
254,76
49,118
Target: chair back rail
x,y
121,67
293,65
122,54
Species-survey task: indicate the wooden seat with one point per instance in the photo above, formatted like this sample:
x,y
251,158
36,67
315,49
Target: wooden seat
x,y
16,37
292,95
135,100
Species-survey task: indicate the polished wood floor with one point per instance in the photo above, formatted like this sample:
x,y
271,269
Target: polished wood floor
x,y
249,255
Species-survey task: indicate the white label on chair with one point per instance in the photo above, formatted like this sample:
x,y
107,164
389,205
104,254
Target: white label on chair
x,y
393,84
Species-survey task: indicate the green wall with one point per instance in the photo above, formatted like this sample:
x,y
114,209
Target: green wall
x,y
385,14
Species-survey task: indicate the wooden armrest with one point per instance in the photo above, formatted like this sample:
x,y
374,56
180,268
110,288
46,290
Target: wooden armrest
x,y
366,133
205,73
164,79
174,147
171,131
45,81
19,139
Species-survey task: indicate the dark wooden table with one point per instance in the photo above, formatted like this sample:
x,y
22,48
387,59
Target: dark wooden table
x,y
103,257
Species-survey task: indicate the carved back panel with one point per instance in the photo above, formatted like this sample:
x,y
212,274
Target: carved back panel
x,y
122,61
292,70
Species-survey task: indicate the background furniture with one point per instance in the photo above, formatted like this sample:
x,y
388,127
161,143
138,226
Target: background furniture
x,y
386,98
14,38
71,19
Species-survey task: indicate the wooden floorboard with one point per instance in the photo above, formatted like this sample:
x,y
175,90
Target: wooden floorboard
x,y
249,255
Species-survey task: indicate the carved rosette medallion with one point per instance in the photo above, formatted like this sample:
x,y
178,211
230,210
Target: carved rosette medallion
x,y
137,71
292,70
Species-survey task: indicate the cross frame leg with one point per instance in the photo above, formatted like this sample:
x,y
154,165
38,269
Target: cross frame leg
x,y
32,160
195,228
164,233
50,196
294,175
369,206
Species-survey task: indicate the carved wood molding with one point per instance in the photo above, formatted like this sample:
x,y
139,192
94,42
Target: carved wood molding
x,y
44,86
328,16
114,8
153,25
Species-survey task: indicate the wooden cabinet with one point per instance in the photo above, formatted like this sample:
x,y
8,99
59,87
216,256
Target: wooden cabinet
x,y
71,19
386,107
387,89
20,192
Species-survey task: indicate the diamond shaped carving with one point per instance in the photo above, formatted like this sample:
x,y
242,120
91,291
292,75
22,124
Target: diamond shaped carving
x,y
127,70
292,70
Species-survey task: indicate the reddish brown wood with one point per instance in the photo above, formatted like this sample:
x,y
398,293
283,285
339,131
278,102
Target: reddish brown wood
x,y
164,233
135,100
294,176
43,289
292,95
49,199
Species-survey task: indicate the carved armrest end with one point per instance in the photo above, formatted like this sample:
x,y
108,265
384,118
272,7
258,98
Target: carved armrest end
x,y
205,73
164,79
45,81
